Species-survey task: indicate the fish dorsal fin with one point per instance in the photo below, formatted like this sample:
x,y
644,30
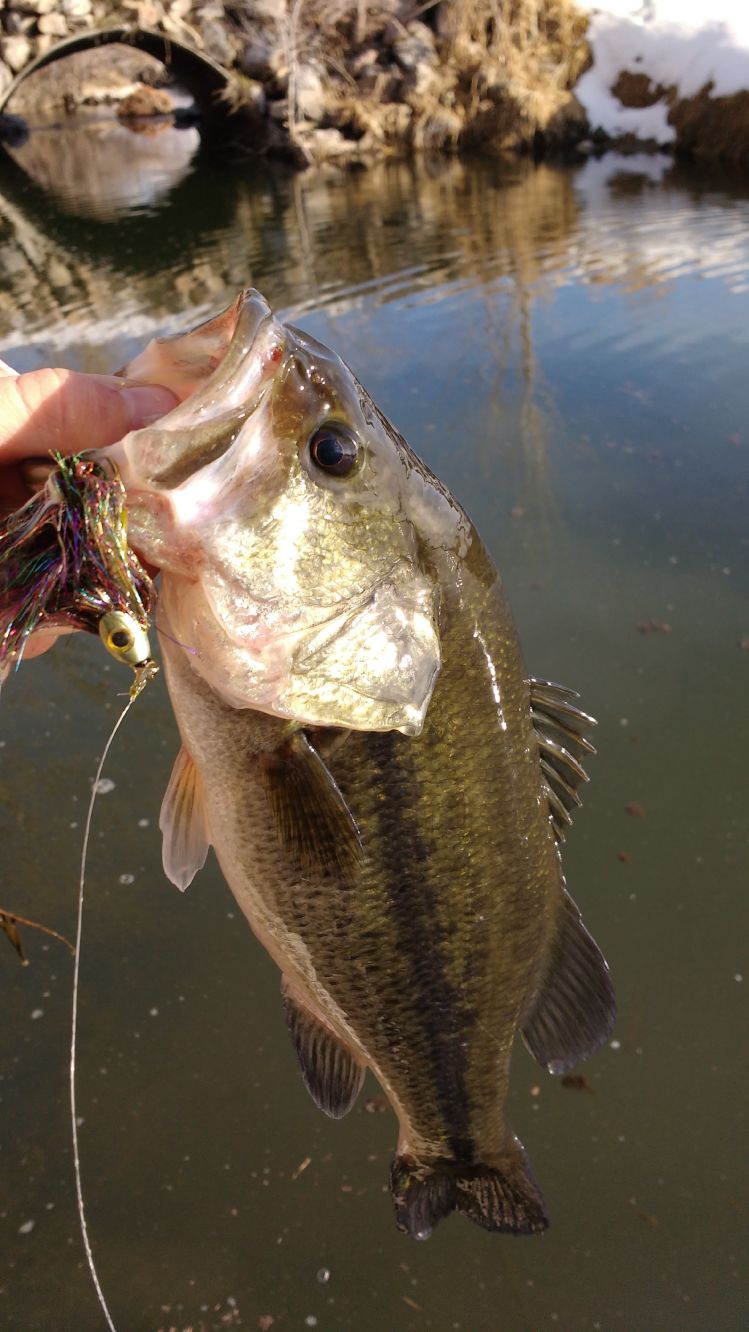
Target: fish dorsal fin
x,y
315,825
560,730
183,824
331,1075
575,1008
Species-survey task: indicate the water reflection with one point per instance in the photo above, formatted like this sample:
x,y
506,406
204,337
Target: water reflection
x,y
495,240
423,230
317,239
100,167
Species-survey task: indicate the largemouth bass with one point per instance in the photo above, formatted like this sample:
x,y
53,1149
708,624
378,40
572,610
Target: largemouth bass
x,y
384,788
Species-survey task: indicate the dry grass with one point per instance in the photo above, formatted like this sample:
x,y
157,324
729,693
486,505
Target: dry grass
x,y
543,30
503,71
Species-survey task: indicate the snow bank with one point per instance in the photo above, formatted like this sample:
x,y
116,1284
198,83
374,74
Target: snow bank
x,y
681,43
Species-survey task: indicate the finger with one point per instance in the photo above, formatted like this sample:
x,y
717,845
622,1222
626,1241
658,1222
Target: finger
x,y
66,411
41,640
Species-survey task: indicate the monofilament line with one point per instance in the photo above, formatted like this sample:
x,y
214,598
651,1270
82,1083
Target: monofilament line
x,y
74,1022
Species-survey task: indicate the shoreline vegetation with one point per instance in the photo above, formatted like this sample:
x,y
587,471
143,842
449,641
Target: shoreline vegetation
x,y
350,81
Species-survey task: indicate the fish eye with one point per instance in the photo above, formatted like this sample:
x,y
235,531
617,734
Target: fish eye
x,y
333,449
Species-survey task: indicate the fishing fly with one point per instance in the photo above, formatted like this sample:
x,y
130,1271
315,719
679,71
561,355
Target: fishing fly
x,y
65,563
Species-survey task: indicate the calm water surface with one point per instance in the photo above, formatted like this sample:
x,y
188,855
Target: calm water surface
x,y
569,351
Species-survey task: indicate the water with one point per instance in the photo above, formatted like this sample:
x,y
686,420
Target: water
x,y
568,350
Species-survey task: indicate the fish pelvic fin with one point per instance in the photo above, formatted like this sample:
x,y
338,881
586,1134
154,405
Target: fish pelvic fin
x,y
503,1197
575,1008
183,824
313,822
331,1075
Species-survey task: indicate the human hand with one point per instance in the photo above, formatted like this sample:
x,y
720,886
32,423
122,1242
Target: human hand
x,y
65,411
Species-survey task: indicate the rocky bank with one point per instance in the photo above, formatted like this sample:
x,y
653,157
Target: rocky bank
x,y
345,79
350,80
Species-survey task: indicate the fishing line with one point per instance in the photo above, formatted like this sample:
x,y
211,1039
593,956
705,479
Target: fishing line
x,y
163,634
74,1022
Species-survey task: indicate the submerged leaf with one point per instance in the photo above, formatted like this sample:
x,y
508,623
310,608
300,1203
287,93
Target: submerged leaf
x,y
8,925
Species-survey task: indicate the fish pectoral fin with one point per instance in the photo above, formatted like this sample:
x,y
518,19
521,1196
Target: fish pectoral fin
x,y
315,825
501,1196
331,1075
562,745
182,821
575,1009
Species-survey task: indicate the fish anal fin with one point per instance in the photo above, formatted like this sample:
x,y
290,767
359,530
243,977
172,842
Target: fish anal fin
x,y
315,825
183,824
331,1075
575,1008
501,1196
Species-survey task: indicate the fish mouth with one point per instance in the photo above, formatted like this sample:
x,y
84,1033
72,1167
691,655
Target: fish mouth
x,y
219,372
189,361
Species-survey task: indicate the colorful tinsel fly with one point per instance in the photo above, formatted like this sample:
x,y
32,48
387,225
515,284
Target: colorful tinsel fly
x,y
64,558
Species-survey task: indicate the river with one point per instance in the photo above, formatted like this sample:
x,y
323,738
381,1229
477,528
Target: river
x,y
568,349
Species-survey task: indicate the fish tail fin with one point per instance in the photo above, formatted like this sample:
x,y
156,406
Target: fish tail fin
x,y
502,1196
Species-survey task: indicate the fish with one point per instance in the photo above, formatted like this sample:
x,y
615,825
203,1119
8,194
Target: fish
x,y
385,789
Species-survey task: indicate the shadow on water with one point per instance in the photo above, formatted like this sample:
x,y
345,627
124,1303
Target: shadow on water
x,y
568,350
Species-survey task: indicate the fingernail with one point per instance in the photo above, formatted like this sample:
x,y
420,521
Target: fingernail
x,y
146,403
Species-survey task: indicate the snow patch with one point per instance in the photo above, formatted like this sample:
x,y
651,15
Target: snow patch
x,y
681,43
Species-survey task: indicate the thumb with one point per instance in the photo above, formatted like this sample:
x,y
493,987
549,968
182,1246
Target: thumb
x,y
67,411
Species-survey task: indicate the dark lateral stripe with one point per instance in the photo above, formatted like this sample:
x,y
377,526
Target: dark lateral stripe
x,y
405,858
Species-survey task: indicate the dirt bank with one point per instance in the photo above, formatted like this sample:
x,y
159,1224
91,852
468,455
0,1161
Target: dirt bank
x,y
707,127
